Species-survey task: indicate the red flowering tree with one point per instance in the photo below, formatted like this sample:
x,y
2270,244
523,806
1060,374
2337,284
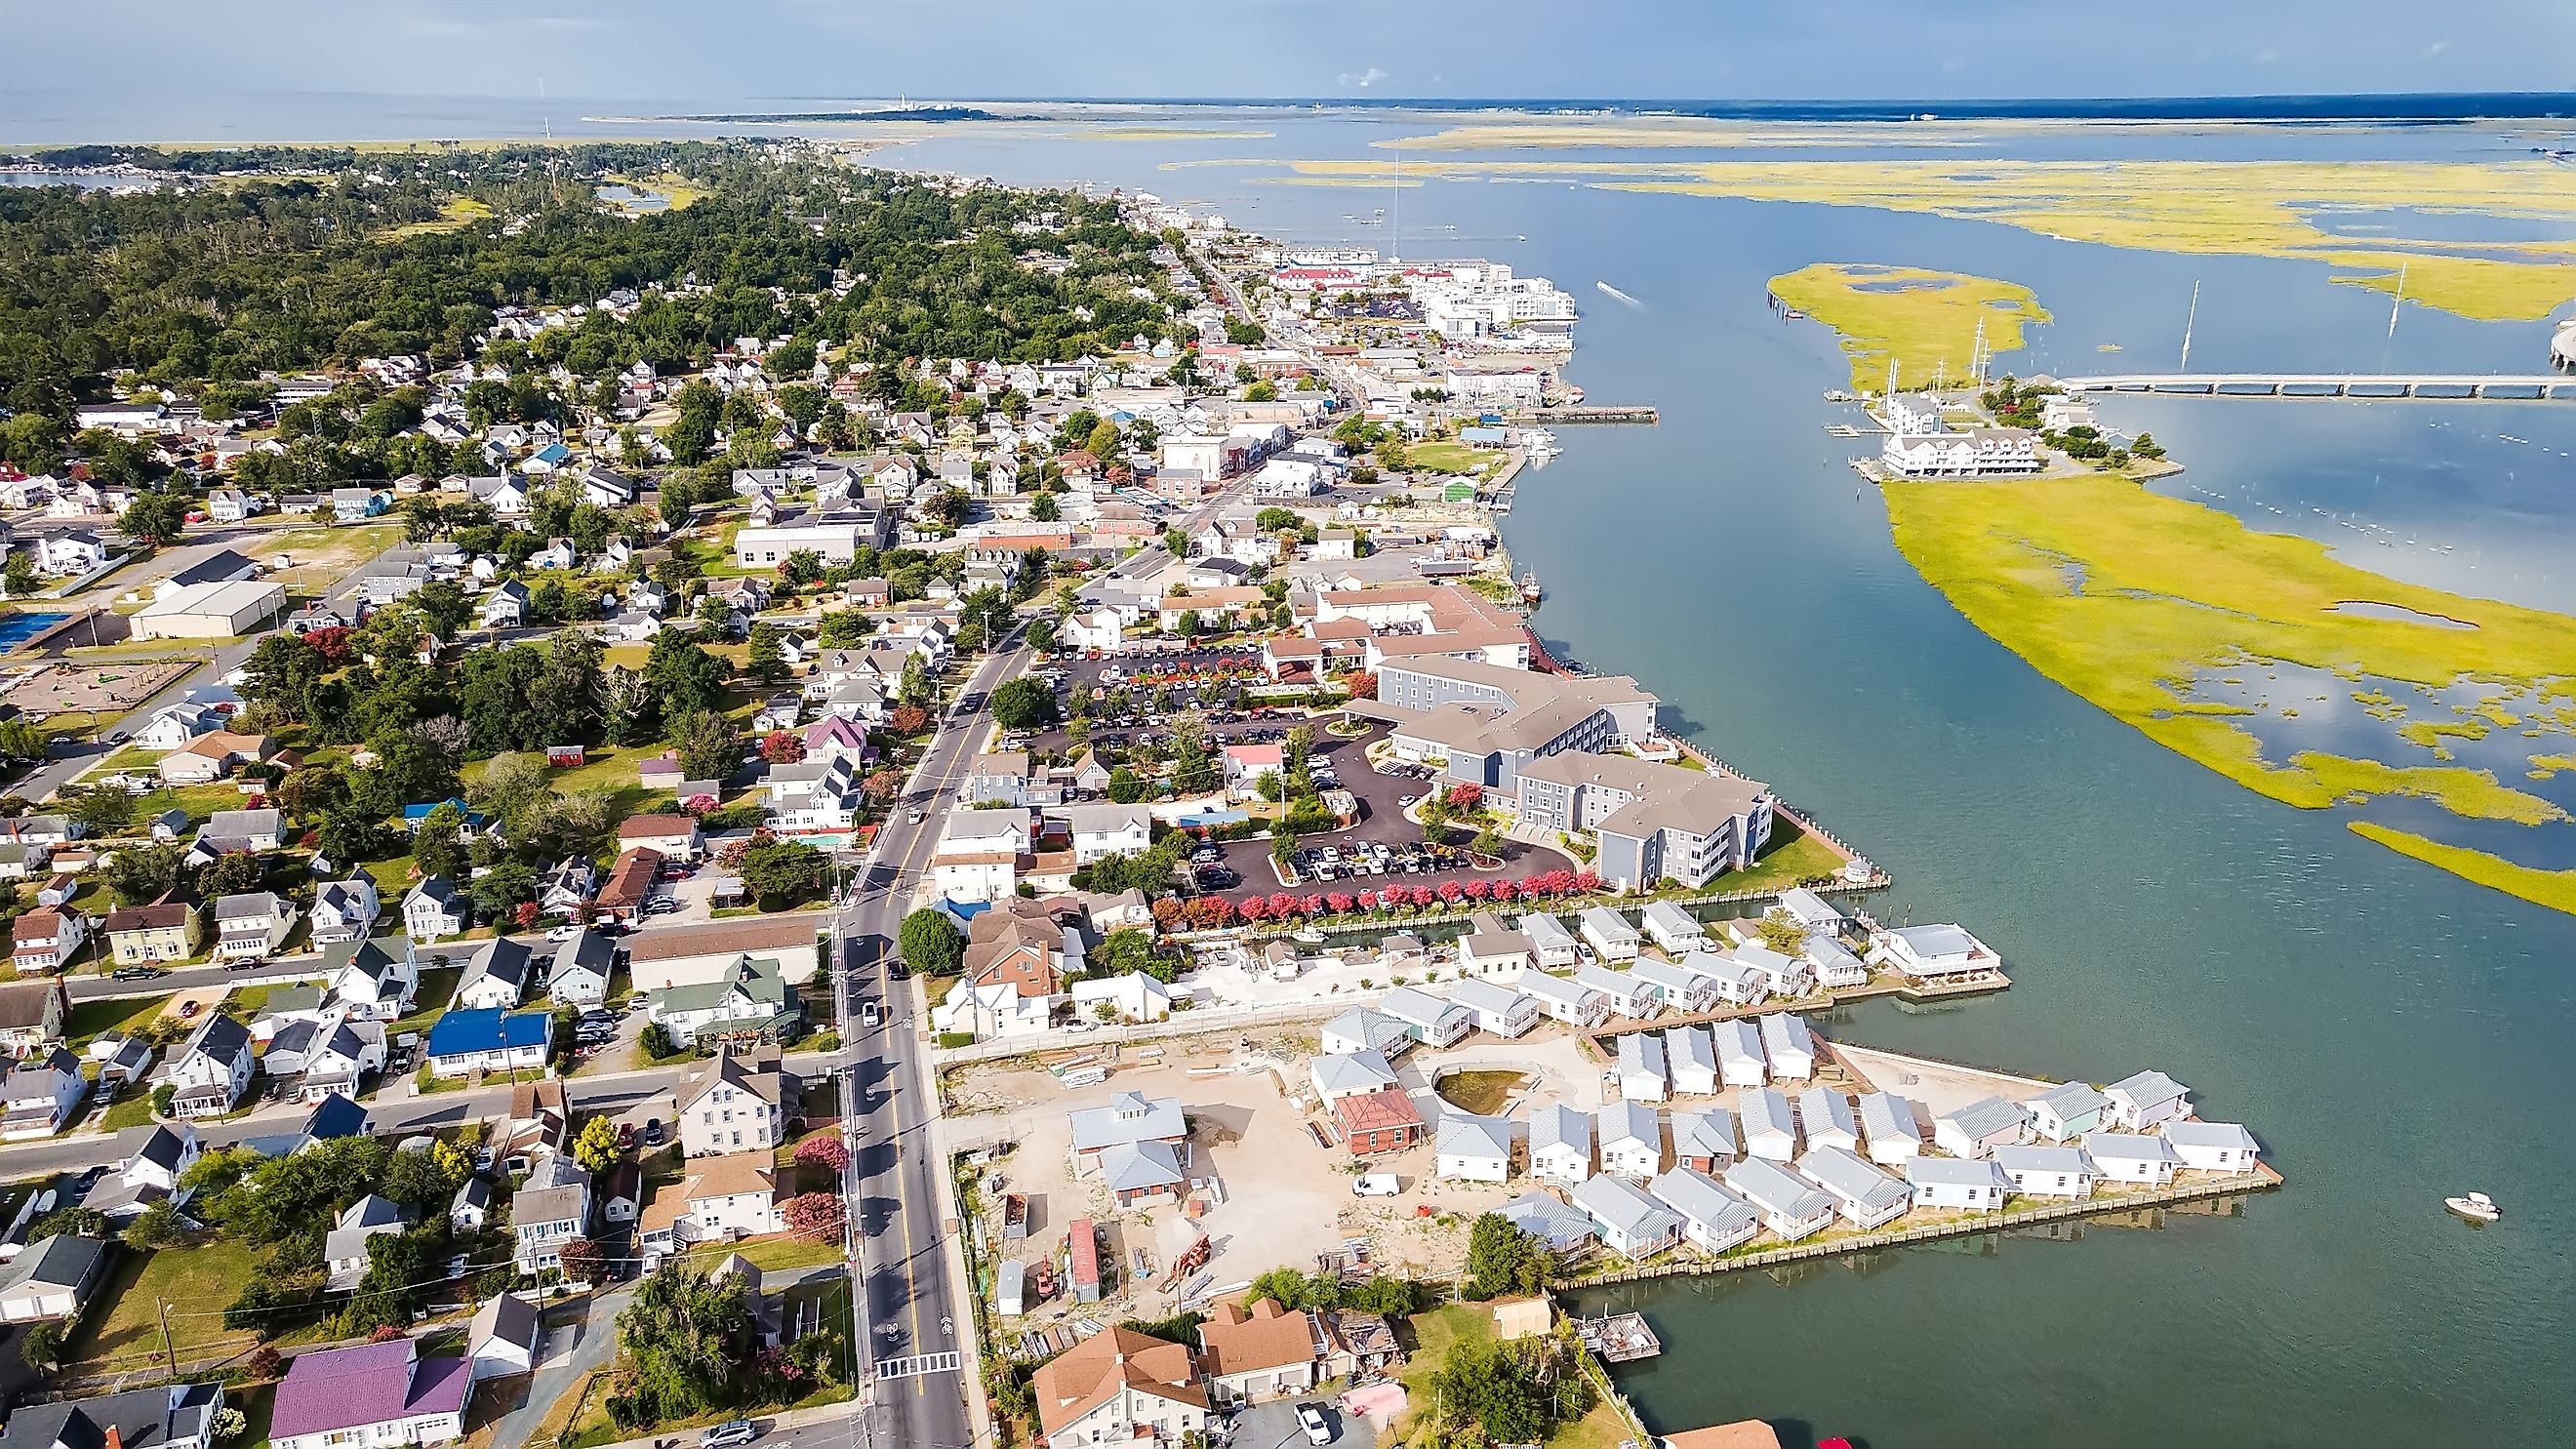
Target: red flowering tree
x,y
1255,908
1368,900
1363,685
908,720
825,1151
782,747
1422,895
1167,912
1312,905
331,642
1451,890
527,914
1282,904
1465,797
813,1214
1210,912
1504,890
583,1262
1342,902
1477,890
1585,882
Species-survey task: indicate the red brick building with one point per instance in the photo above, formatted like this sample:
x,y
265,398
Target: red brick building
x,y
1381,1121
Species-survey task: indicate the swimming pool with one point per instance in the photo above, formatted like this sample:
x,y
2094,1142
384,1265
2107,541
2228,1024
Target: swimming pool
x,y
17,628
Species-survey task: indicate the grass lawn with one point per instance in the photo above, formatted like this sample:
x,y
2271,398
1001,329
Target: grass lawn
x,y
1435,1332
1480,1093
781,1250
91,1020
1447,456
132,1110
1794,856
437,988
321,556
200,801
457,214
197,1282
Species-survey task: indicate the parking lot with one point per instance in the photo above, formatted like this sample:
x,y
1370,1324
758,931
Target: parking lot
x,y
1274,1424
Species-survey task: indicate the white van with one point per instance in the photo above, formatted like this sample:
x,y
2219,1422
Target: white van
x,y
1375,1184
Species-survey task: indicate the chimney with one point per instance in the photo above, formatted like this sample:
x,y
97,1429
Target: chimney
x,y
115,1437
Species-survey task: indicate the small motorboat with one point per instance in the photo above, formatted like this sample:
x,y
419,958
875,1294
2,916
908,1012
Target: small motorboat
x,y
2477,1207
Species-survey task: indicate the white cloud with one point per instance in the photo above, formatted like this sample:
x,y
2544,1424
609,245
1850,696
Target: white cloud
x,y
2437,47
1364,79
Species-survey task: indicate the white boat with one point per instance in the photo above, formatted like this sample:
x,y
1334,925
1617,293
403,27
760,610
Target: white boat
x,y
2477,1207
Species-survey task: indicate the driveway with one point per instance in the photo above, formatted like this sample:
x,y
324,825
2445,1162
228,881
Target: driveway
x,y
1274,1424
567,1350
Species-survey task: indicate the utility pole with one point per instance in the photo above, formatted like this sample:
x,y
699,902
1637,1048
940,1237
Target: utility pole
x,y
169,1355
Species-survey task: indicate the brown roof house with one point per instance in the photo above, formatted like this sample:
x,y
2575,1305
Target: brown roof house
x,y
161,931
47,938
1119,1389
731,1104
212,756
1263,1352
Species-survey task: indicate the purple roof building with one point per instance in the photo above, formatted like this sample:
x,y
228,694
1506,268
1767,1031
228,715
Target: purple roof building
x,y
376,1394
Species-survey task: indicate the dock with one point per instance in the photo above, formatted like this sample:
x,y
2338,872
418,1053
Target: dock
x,y
1618,1337
1528,417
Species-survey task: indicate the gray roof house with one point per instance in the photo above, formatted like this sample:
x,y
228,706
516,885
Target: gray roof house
x,y
579,976
1631,1139
1559,1228
1364,1030
496,975
2126,1158
503,1337
1705,1141
1980,1127
1473,1148
2141,1101
549,1210
50,1278
2069,1109
1349,1074
1690,1055
1957,1183
2038,1171
1560,1143
170,1416
1887,1125
1641,1067
1825,1119
1713,1219
1790,1205
1866,1197
1630,1221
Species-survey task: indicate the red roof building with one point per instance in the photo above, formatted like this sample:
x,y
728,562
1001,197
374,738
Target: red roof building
x,y
1381,1121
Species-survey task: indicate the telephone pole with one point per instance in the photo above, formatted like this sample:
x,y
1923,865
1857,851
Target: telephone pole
x,y
169,1355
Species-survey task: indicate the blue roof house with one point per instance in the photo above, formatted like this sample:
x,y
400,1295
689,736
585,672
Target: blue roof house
x,y
491,1040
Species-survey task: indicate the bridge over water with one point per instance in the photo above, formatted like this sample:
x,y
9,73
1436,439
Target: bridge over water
x,y
2428,386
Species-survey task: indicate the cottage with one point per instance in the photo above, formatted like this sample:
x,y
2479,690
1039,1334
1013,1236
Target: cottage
x,y
1348,1074
1489,951
344,1248
1770,1130
1381,1121
1932,953
1560,1143
2145,1100
1977,1129
501,1341
1559,1229
1496,1009
1952,1183
675,836
1628,994
1473,1148
376,1394
1705,1141
1642,1074
1865,1197
1609,933
1777,974
1713,1219
1550,943
1630,1222
1572,1002
1887,1125
2214,1146
1631,1138
1789,1047
1428,1019
2070,1109
1363,1030
1674,929
2047,1171
1691,1056
1791,1207
1825,1120
580,970
2125,1158
1740,1060
1100,831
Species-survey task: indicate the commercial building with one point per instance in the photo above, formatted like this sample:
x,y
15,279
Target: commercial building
x,y
211,611
1653,821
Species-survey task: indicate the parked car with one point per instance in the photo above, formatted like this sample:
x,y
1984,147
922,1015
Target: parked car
x,y
135,973
741,1431
1309,1418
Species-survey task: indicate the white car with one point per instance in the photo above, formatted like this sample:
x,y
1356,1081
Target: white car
x,y
915,817
563,933
1311,1419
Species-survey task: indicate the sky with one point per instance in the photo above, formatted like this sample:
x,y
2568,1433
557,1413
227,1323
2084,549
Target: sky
x,y
758,51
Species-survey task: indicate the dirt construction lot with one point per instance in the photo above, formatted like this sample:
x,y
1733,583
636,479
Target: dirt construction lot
x,y
106,689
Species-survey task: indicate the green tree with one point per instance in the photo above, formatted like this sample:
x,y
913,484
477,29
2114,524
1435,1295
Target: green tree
x,y
235,872
502,888
435,846
764,657
783,874
1024,704
141,874
689,1341
105,811
156,519
1125,786
710,747
1044,509
1503,1261
443,607
846,628
931,943
684,676
595,1146
18,576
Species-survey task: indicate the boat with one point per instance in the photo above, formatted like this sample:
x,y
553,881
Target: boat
x,y
1529,588
2477,1207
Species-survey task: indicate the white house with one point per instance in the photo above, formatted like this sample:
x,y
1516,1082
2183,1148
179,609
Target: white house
x,y
1691,1057
1673,928
1981,1126
1791,1206
1788,1046
212,1069
1560,1143
1713,1219
1470,1148
1836,968
1681,988
1348,1074
434,909
1430,1020
1740,1062
1630,1222
1572,1002
1363,1030
1887,1125
1489,951
1931,953
343,910
1642,1074
2214,1146
1609,933
1105,830
1550,942
1770,1130
2047,1171
1825,1120
380,1395
2145,1100
1631,1139
1955,1183
1628,994
1864,1196
1497,1009
1780,975
2126,1158
1730,982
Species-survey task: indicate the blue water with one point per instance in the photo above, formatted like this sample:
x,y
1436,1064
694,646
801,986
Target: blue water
x,y
18,626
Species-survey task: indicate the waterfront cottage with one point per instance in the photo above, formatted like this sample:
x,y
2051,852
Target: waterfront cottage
x,y
1713,1219
1558,1228
1730,982
1627,995
1887,1124
1630,1222
1683,990
2214,1146
1568,1001
1952,1183
2143,1101
1560,1143
2069,1110
1428,1019
1780,975
1980,1127
1551,945
2047,1171
1497,1009
1487,950
1791,1206
1704,1141
1641,1067
1836,968
1740,1062
2124,1158
1609,933
1692,1059
1673,928
1865,1197
1825,1119
1769,1129
1932,953
1631,1138
1789,1047
1474,1149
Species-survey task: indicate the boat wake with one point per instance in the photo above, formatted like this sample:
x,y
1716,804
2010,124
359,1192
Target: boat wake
x,y
1622,298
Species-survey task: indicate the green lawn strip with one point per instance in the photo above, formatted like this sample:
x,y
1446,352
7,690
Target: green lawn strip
x,y
771,1254
1790,860
132,1110
437,989
197,1282
91,1020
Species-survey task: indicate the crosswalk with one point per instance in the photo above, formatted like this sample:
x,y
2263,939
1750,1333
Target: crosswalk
x,y
918,1366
